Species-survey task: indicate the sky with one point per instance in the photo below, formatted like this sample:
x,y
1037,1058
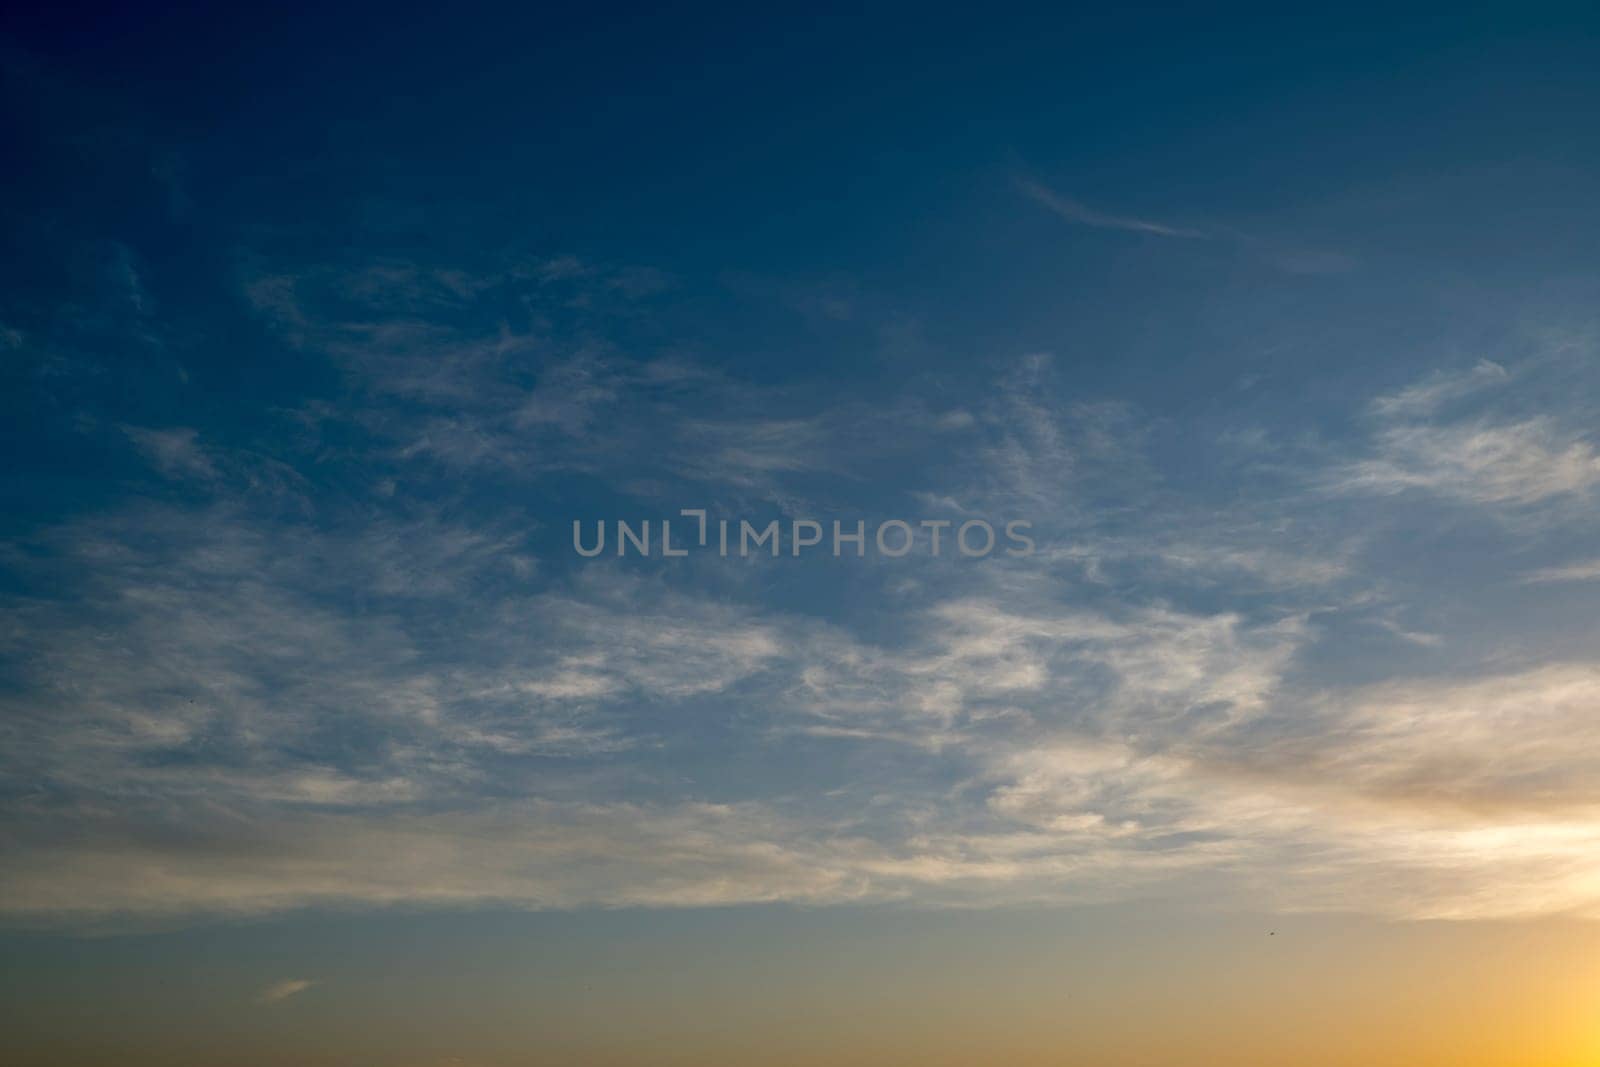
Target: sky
x,y
1268,730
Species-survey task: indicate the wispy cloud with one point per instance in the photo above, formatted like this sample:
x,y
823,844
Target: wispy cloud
x,y
387,697
1076,211
1424,441
1518,463
1425,397
175,452
1288,255
1587,571
279,991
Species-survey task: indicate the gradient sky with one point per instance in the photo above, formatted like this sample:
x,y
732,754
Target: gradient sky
x,y
319,744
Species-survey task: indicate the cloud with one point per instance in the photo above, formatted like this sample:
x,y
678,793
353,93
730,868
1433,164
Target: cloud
x,y
1077,212
1587,571
280,991
185,761
1519,463
1488,454
1440,388
339,693
175,452
1507,746
1417,799
1288,256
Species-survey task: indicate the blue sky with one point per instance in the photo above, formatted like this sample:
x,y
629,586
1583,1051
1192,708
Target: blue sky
x,y
319,329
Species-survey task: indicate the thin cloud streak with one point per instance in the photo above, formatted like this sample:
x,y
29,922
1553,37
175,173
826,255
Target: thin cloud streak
x,y
281,991
1588,571
1078,212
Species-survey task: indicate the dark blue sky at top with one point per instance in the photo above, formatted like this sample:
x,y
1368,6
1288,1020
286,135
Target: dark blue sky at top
x,y
872,158
879,148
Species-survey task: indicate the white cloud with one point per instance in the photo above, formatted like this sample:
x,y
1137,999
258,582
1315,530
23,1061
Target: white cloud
x,y
1525,740
1425,397
1501,454
1519,463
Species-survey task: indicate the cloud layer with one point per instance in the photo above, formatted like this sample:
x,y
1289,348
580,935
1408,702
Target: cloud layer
x,y
352,662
